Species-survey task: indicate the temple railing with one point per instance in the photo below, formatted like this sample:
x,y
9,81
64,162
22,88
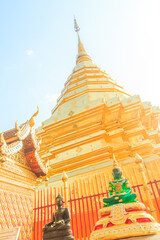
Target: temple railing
x,y
84,198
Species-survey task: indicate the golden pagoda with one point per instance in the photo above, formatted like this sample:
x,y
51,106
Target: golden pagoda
x,y
93,118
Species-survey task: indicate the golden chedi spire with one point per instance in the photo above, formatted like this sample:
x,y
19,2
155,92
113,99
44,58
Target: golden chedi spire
x,y
82,54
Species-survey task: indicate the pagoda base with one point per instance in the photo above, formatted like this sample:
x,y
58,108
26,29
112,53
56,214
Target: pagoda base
x,y
150,237
126,232
123,221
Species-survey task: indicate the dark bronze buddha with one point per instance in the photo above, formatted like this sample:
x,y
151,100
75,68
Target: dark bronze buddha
x,y
59,228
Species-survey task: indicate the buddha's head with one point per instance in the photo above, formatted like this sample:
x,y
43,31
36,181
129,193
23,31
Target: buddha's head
x,y
59,200
117,174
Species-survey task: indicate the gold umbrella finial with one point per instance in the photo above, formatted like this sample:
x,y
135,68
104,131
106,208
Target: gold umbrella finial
x,y
76,26
82,54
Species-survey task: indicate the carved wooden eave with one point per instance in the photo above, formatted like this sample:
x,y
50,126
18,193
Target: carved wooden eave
x,y
14,140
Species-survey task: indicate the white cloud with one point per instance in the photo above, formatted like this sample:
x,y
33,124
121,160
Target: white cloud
x,y
30,52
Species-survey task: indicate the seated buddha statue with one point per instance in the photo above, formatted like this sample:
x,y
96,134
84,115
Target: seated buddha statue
x,y
122,216
60,226
119,189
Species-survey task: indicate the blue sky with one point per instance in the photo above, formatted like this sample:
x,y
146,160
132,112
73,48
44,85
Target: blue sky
x,y
38,48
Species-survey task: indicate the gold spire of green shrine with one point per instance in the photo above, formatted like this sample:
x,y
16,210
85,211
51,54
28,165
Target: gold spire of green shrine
x,y
115,163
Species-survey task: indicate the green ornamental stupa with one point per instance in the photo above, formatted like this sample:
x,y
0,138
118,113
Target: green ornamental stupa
x,y
122,216
119,189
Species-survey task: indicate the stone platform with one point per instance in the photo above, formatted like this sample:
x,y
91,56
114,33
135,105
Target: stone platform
x,y
65,234
9,234
149,237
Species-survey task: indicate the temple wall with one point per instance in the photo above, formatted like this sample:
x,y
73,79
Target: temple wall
x,y
16,196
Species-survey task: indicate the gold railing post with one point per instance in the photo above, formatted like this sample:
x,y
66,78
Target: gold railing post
x,y
139,162
32,218
65,179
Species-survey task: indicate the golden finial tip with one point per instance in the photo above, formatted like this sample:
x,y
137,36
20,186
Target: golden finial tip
x,y
138,158
17,126
114,158
64,176
31,121
2,139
